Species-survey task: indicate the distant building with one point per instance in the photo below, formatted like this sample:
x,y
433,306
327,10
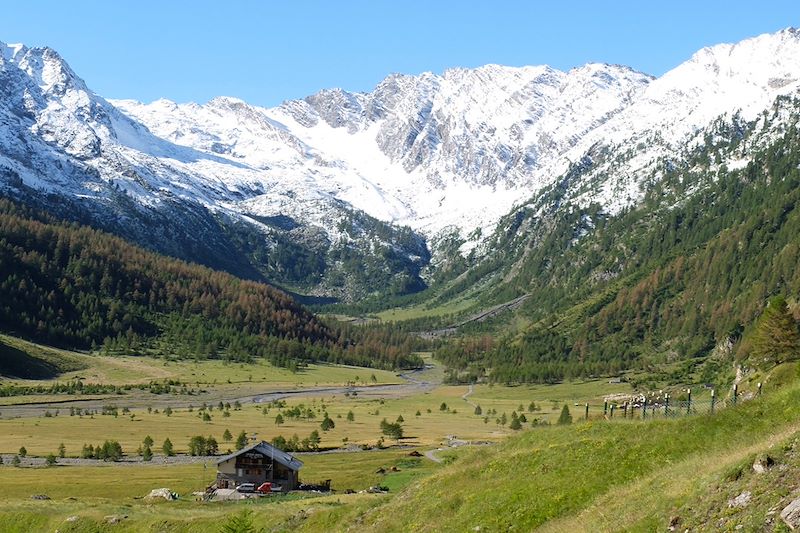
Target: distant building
x,y
256,464
615,380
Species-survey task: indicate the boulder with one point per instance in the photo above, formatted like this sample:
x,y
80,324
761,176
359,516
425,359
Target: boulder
x,y
791,514
762,464
161,494
740,501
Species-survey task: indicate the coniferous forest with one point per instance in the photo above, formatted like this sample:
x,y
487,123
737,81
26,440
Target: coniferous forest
x,y
73,286
690,269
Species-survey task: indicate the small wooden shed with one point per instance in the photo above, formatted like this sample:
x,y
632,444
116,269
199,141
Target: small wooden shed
x,y
256,464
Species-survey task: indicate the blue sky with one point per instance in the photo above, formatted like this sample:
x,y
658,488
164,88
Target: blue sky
x,y
266,52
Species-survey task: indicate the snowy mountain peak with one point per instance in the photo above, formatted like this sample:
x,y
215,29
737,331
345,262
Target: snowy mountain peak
x,y
10,51
442,153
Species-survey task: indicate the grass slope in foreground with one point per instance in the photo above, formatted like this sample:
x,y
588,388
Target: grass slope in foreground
x,y
564,477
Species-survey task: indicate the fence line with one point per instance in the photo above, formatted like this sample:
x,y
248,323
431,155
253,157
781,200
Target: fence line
x,y
663,406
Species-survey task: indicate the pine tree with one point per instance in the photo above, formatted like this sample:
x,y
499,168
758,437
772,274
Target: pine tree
x,y
148,441
212,447
147,453
314,439
226,436
87,452
50,460
23,452
239,523
565,417
279,419
478,410
327,424
167,448
62,450
776,338
241,440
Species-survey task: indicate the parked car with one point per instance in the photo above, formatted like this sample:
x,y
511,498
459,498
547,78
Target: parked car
x,y
246,487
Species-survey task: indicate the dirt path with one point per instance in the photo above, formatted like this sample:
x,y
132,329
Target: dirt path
x,y
468,394
431,454
477,317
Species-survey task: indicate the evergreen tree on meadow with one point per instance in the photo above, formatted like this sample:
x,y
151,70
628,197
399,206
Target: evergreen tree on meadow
x,y
241,440
776,338
565,417
327,424
167,448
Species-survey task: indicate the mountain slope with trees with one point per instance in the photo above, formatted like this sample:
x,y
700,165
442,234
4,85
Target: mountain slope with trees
x,y
73,286
687,270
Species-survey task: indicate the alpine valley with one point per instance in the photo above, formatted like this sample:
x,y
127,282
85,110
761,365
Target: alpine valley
x,y
453,282
473,188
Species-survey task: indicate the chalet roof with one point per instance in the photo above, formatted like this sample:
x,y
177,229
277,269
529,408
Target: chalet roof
x,y
268,450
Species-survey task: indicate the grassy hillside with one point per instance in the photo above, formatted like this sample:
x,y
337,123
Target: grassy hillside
x,y
23,360
602,476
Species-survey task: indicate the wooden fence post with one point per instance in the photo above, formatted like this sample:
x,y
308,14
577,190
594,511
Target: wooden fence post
x,y
625,410
759,388
644,408
713,400
612,410
666,405
586,416
689,402
735,392
605,407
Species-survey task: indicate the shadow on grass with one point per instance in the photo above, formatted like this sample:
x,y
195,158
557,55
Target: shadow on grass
x,y
15,363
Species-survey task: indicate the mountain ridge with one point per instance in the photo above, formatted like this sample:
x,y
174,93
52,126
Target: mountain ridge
x,y
445,155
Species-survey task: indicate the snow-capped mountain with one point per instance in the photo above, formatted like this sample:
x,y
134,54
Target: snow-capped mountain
x,y
724,81
305,192
431,152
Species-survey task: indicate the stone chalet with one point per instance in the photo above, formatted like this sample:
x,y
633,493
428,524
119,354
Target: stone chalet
x,y
258,463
